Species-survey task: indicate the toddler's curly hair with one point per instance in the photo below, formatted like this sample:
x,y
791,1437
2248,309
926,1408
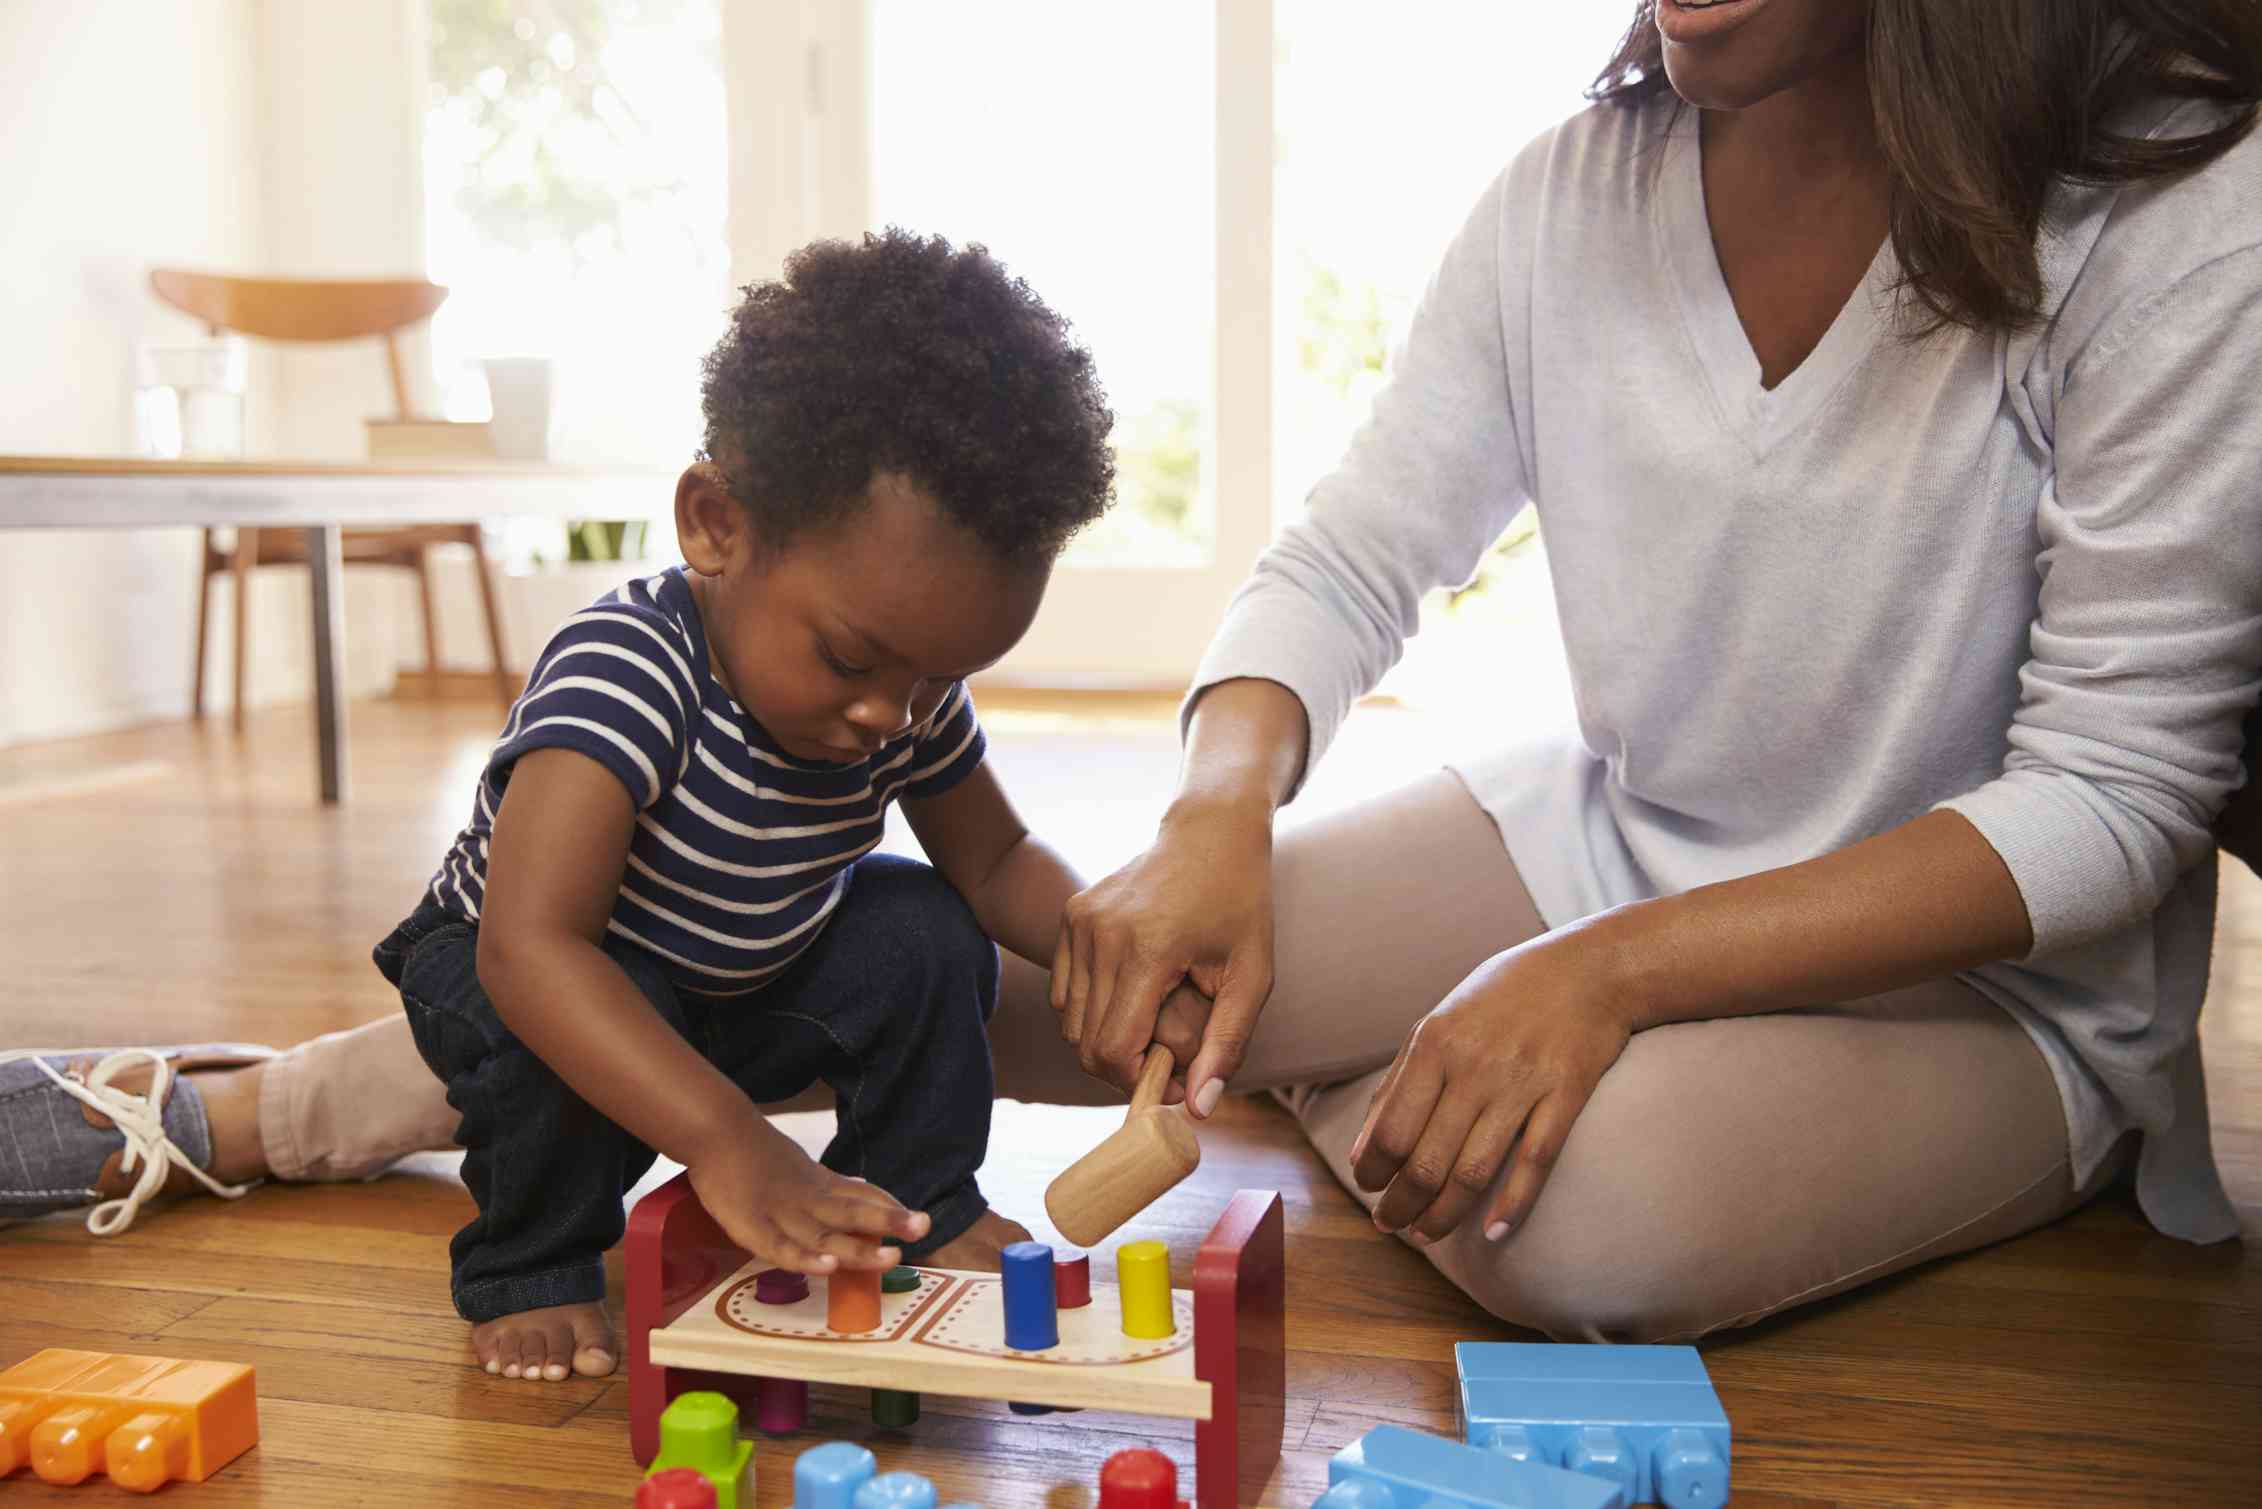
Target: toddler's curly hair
x,y
903,353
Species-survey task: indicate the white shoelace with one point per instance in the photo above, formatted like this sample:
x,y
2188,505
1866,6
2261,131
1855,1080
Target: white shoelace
x,y
139,1118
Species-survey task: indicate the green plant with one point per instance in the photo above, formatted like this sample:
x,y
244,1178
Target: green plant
x,y
1344,343
556,132
605,540
1158,454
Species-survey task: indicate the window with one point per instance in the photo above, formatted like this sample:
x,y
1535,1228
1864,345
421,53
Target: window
x,y
575,158
1387,132
1078,143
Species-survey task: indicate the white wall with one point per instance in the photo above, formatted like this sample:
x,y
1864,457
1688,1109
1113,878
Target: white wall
x,y
141,134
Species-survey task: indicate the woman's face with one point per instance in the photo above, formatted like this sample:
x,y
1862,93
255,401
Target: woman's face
x,y
1729,54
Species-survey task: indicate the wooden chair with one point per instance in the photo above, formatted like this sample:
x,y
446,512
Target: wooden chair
x,y
301,310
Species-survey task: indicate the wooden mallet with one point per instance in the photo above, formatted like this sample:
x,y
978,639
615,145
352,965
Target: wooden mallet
x,y
1133,1168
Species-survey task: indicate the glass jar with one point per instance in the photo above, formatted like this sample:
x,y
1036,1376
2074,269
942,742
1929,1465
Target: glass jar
x,y
189,400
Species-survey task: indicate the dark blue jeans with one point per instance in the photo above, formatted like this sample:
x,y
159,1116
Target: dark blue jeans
x,y
890,1007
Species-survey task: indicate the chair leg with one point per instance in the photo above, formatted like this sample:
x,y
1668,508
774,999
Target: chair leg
x,y
203,624
431,620
247,561
504,686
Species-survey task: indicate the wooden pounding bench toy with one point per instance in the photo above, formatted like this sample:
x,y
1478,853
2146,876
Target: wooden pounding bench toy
x,y
702,1316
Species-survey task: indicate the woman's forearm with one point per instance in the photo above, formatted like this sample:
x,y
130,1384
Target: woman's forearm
x,y
1914,903
1245,749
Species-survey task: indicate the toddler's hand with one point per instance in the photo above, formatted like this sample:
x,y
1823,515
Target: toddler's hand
x,y
790,1211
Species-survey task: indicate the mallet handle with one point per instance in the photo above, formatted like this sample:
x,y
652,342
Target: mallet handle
x,y
1154,1078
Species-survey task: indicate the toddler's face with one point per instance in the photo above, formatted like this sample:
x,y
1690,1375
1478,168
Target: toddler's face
x,y
852,634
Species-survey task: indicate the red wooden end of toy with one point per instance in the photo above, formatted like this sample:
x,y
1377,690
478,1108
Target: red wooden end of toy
x,y
676,1255
1240,1351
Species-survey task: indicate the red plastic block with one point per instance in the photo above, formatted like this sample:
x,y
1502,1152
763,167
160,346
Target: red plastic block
x,y
676,1488
1139,1479
144,1421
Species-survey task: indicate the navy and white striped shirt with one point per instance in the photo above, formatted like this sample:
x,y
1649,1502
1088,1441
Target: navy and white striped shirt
x,y
741,851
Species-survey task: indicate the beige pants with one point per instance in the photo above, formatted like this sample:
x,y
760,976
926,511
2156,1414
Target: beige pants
x,y
1724,1170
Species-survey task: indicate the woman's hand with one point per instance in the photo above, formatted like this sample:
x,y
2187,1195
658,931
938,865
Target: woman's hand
x,y
1501,1068
1197,906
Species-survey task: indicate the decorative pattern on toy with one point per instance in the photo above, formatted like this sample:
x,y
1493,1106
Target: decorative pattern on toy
x,y
1221,1365
974,1320
1391,1467
1645,1418
145,1421
762,1306
969,1312
700,1431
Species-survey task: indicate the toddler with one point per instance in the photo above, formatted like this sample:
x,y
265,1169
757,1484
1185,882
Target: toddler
x,y
666,909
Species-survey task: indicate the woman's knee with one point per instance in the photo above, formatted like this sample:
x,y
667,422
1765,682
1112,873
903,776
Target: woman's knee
x,y
1633,1238
1604,1274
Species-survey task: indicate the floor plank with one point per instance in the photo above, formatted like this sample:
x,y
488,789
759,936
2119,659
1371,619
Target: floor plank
x,y
177,883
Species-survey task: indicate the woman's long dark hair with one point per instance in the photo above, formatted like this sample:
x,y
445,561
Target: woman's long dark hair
x,y
1982,106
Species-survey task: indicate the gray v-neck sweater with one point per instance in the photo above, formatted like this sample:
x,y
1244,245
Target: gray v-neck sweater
x,y
2015,576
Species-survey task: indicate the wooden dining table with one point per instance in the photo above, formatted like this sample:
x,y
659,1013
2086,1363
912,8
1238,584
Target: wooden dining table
x,y
320,497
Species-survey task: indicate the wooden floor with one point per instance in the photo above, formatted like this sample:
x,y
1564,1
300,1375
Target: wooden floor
x,y
172,885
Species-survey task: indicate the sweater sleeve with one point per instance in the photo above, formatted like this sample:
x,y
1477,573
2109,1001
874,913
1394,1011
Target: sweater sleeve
x,y
1428,483
2147,648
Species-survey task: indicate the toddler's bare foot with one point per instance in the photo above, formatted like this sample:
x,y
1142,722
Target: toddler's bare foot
x,y
977,1249
544,1343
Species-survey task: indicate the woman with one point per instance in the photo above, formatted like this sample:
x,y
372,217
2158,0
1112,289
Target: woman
x,y
1881,376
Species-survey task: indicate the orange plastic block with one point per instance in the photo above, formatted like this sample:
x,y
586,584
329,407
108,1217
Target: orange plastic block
x,y
143,1420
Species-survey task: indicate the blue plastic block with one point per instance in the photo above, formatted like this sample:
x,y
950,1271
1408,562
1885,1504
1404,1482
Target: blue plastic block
x,y
896,1490
1579,1362
1645,1418
1391,1467
827,1476
1031,1321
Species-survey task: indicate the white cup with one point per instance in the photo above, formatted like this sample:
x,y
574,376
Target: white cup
x,y
189,400
518,387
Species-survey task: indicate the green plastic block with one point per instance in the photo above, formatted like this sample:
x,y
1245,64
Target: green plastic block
x,y
700,1430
